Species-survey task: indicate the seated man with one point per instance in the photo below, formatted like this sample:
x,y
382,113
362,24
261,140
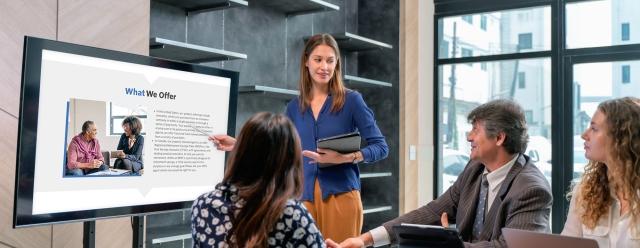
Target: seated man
x,y
499,187
84,156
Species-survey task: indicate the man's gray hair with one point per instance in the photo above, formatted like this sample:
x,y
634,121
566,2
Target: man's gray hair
x,y
504,116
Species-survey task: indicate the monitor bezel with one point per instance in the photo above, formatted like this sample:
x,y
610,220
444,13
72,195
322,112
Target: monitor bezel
x,y
28,123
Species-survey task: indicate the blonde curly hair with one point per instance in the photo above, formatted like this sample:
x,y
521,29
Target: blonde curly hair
x,y
599,181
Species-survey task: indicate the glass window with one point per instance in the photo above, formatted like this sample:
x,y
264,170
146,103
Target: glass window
x,y
596,82
528,115
500,35
626,74
466,52
483,22
118,113
463,88
625,31
444,48
521,80
597,23
524,41
468,18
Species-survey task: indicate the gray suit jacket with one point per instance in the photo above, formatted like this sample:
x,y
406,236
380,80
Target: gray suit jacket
x,y
523,202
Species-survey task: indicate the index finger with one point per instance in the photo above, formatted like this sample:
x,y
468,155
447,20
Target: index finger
x,y
310,154
444,219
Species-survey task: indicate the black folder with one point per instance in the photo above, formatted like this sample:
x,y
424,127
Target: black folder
x,y
410,235
343,143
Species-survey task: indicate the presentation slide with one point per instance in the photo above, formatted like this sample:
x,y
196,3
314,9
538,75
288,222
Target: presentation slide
x,y
177,109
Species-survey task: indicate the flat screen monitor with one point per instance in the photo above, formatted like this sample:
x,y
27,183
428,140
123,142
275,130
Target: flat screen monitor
x,y
105,133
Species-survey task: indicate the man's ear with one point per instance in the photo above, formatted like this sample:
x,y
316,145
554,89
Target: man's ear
x,y
500,138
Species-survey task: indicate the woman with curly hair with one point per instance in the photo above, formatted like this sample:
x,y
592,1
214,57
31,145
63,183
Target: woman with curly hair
x,y
605,205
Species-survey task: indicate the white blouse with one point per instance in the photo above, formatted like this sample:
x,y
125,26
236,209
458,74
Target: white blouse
x,y
612,230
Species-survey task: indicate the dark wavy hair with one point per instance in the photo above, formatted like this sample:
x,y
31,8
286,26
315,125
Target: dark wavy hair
x,y
135,125
266,166
503,116
594,194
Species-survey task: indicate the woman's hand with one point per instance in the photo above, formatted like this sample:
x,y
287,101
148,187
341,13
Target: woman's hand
x,y
331,244
223,142
121,154
326,156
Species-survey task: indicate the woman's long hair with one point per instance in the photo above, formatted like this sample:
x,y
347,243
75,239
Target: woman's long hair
x,y
266,166
336,86
594,195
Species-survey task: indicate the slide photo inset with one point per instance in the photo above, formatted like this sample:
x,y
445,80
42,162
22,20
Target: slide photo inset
x,y
104,139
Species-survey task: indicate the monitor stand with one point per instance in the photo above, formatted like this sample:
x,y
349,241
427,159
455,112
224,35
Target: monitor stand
x,y
138,231
89,234
137,224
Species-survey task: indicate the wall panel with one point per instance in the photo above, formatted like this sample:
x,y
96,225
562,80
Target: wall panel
x,y
121,25
17,19
23,237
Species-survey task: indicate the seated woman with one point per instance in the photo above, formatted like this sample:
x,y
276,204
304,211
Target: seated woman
x,y
605,205
131,143
254,205
83,155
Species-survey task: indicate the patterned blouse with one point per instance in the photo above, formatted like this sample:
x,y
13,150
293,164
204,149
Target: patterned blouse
x,y
212,214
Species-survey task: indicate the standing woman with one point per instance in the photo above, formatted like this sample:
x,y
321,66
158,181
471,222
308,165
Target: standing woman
x,y
327,108
605,205
131,143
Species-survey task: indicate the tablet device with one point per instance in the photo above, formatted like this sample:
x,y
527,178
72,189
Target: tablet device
x,y
413,235
114,154
530,239
343,143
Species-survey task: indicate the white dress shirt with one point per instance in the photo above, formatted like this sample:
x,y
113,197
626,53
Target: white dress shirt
x,y
495,178
612,230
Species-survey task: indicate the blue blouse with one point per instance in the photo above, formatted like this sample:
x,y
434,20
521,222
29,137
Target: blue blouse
x,y
354,116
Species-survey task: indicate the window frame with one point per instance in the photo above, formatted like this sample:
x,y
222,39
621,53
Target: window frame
x,y
112,118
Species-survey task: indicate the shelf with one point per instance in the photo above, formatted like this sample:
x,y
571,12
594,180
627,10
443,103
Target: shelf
x,y
274,92
205,5
375,174
351,42
365,82
175,50
164,234
299,7
375,209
